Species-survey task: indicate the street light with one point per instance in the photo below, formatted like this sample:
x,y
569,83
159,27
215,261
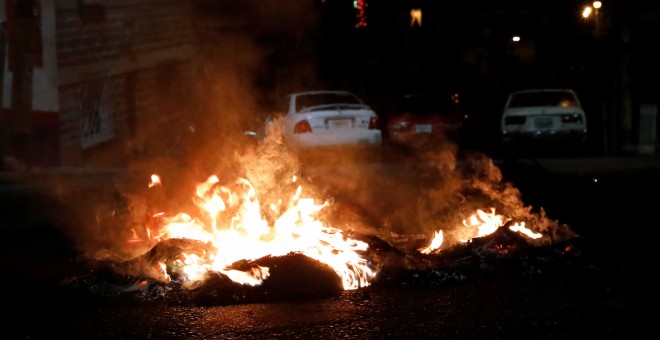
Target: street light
x,y
597,5
416,17
586,13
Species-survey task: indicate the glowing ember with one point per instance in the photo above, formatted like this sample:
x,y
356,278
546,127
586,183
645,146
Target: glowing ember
x,y
231,221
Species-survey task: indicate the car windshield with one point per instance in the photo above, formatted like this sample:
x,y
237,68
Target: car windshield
x,y
430,103
548,98
318,99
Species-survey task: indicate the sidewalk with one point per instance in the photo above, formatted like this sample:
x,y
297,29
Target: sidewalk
x,y
102,177
36,178
594,165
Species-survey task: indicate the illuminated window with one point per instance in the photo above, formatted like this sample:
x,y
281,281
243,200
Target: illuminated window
x,y
416,17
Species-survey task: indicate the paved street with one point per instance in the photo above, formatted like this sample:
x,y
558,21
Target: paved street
x,y
606,288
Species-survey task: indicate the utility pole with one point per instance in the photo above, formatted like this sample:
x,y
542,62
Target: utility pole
x,y
625,82
3,50
17,38
3,132
21,95
597,5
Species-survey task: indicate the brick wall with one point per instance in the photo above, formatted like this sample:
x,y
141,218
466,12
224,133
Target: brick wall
x,y
117,29
118,64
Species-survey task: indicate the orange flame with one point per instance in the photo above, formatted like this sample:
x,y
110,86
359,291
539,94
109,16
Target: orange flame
x,y
520,227
155,180
479,224
436,242
232,223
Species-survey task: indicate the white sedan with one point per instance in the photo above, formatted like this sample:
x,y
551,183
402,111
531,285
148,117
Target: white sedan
x,y
543,115
327,119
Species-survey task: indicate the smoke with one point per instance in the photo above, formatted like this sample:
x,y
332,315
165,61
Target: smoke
x,y
241,66
454,185
244,51
433,187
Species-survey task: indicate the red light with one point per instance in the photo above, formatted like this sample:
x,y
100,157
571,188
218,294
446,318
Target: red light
x,y
361,6
302,127
373,123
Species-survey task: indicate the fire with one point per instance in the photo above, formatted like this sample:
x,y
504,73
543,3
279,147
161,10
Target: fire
x,y
435,243
155,180
230,220
520,227
233,227
479,224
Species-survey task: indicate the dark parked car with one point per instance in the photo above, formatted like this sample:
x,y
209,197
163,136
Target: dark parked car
x,y
422,115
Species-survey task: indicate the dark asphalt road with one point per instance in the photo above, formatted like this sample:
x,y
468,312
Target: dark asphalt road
x,y
607,289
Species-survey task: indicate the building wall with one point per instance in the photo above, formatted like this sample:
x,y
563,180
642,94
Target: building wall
x,y
28,82
45,71
118,64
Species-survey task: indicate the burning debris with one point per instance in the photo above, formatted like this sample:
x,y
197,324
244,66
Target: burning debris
x,y
504,251
229,245
232,226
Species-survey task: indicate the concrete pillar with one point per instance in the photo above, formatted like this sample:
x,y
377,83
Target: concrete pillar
x,y
625,88
647,128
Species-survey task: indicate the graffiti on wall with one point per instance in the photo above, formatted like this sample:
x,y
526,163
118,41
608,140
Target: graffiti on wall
x,y
96,120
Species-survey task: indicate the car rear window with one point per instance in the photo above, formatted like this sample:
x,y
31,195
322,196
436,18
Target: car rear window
x,y
429,103
317,99
549,98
